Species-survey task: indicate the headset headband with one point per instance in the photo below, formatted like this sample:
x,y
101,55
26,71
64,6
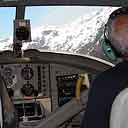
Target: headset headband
x,y
113,15
118,12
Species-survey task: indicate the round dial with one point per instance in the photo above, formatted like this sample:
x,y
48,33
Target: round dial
x,y
27,89
27,73
7,72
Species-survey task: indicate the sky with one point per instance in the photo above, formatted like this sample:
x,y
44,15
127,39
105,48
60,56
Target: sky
x,y
42,15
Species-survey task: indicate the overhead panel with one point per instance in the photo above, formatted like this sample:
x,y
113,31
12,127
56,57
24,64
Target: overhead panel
x,y
64,2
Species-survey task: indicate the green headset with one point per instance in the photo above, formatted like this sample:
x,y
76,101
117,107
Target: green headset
x,y
106,44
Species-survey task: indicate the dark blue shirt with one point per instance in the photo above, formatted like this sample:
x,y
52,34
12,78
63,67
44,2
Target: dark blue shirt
x,y
103,91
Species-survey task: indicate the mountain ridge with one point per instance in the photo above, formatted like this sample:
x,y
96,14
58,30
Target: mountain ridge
x,y
81,36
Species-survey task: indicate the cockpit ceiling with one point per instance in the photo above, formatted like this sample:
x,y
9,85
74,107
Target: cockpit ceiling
x,y
14,3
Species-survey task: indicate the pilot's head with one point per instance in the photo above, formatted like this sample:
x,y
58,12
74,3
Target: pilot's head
x,y
116,32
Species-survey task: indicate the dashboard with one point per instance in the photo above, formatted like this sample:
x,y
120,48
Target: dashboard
x,y
26,79
42,82
38,89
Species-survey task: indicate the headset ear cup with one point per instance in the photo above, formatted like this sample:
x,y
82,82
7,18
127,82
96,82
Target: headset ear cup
x,y
108,51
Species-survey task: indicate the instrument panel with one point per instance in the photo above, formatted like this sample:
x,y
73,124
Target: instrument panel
x,y
26,79
39,89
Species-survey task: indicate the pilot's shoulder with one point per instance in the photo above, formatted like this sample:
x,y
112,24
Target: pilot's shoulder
x,y
102,77
108,75
113,73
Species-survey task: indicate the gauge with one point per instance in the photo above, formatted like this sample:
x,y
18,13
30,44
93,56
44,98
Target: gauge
x,y
27,89
27,73
7,72
9,82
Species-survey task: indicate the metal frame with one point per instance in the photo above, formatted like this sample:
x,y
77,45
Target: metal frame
x,y
20,12
14,3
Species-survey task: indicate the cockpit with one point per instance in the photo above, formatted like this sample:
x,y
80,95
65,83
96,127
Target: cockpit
x,y
49,57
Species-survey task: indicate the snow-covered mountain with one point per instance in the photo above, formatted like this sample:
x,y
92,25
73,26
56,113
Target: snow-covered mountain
x,y
80,36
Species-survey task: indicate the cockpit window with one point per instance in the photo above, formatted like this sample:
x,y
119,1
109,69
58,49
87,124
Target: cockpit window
x,y
7,15
74,29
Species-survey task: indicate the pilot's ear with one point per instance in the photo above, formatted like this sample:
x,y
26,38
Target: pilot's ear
x,y
108,50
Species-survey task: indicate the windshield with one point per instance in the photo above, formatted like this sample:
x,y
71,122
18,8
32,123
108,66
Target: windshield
x,y
7,15
72,29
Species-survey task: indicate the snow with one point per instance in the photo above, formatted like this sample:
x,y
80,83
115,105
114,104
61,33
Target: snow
x,y
71,37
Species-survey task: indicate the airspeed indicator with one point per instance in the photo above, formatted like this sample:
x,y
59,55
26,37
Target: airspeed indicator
x,y
27,73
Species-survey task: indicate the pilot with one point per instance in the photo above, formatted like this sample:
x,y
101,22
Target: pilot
x,y
110,83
